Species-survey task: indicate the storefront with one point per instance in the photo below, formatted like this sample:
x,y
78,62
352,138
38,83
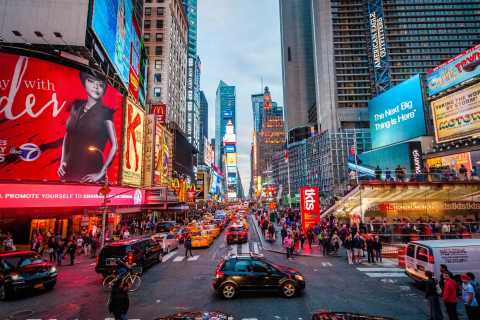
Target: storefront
x,y
64,209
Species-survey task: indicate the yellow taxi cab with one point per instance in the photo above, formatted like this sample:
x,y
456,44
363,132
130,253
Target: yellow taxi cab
x,y
212,229
201,239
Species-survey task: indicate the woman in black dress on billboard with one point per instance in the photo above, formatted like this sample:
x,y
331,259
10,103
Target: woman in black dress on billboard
x,y
89,128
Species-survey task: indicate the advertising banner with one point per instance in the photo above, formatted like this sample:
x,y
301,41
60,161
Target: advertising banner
x,y
163,155
148,150
57,123
114,25
457,115
452,161
309,207
209,154
231,159
397,114
230,148
455,71
54,196
133,144
160,110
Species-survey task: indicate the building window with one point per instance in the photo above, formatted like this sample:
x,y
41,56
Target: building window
x,y
146,37
148,11
160,11
159,37
157,77
158,50
158,64
160,1
147,50
160,24
147,24
156,92
289,54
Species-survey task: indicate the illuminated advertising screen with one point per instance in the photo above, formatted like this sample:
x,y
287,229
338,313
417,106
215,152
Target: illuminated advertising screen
x,y
397,114
57,123
457,115
133,144
227,114
148,151
115,27
163,155
309,207
452,161
231,159
230,148
455,71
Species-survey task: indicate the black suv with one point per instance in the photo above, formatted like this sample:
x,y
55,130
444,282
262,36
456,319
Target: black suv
x,y
142,251
235,274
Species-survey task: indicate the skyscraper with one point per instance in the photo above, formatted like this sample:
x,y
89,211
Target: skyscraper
x,y
363,47
203,126
297,61
225,105
257,104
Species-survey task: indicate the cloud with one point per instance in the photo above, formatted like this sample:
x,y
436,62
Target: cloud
x,y
239,42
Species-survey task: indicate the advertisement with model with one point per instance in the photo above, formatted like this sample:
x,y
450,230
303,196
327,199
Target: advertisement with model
x,y
57,123
133,135
309,206
163,155
397,114
461,68
457,115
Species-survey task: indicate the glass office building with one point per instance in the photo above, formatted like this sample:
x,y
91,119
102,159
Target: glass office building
x,y
225,105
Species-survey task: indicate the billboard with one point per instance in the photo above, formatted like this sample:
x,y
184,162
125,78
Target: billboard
x,y
230,148
163,155
160,110
457,115
115,27
309,207
397,114
452,161
133,144
455,71
231,159
148,150
50,115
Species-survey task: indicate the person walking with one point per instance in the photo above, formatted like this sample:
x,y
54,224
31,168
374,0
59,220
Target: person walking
x,y
357,248
188,246
348,246
71,250
443,270
52,248
468,297
449,295
60,251
302,239
288,244
119,301
432,296
310,236
370,249
377,246
283,233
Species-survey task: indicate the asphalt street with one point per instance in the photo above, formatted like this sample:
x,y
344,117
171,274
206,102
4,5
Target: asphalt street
x,y
180,284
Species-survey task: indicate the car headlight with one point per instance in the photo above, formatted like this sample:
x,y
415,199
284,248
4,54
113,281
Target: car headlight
x,y
53,270
16,277
299,277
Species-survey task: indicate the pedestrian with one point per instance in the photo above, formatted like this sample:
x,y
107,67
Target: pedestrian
x,y
60,251
302,239
119,301
449,295
188,246
348,246
370,248
8,243
287,244
357,246
468,297
443,270
71,250
431,294
377,246
310,236
52,248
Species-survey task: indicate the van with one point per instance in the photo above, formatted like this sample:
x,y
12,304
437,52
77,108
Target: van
x,y
459,255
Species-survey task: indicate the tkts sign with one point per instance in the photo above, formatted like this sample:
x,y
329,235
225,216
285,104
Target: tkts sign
x,y
309,206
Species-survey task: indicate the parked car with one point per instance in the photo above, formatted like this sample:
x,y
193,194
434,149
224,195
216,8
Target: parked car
x,y
168,241
236,234
22,270
144,252
235,274
165,226
460,256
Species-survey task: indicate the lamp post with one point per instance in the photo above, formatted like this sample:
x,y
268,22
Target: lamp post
x,y
105,190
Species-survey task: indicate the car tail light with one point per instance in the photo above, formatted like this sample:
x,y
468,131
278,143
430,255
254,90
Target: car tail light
x,y
130,258
431,259
219,274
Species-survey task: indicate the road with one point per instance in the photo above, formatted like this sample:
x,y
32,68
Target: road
x,y
180,284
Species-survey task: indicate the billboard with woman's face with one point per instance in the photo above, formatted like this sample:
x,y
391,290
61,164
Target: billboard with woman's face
x,y
57,123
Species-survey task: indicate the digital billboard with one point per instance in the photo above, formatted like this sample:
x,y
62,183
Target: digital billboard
x,y
452,161
133,144
455,71
163,155
457,115
309,207
397,114
231,159
115,27
57,123
230,148
149,149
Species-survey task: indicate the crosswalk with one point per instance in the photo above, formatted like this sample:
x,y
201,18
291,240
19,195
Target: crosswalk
x,y
384,270
244,248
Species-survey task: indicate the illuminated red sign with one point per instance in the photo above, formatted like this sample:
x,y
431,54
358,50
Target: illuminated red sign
x,y
54,196
160,110
309,206
57,123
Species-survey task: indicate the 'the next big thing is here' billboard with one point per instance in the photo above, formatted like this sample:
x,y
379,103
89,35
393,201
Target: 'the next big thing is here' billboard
x,y
397,114
50,115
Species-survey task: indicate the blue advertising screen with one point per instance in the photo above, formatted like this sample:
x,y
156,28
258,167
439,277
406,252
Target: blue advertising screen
x,y
227,114
230,148
397,114
112,23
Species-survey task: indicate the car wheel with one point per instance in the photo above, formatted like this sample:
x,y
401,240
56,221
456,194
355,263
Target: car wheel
x,y
49,286
228,291
288,289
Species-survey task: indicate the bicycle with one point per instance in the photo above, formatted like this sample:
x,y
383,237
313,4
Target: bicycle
x,y
132,277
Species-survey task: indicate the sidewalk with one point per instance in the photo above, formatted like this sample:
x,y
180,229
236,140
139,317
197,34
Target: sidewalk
x,y
276,246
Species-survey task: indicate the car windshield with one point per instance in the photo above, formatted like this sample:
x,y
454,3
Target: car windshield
x,y
15,262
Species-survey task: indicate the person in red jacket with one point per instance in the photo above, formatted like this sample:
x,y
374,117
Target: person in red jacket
x,y
449,295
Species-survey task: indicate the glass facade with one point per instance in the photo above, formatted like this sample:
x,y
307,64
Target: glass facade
x,y
225,109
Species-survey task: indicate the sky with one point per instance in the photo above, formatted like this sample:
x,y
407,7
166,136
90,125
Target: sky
x,y
239,43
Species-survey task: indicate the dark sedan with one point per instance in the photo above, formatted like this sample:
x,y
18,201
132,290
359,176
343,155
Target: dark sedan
x,y
255,274
22,270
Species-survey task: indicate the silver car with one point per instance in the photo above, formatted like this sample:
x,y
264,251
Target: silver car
x,y
168,241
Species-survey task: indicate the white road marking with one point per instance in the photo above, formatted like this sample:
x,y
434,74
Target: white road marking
x,y
326,264
255,248
245,248
233,250
194,258
380,269
385,275
168,256
405,288
178,259
384,280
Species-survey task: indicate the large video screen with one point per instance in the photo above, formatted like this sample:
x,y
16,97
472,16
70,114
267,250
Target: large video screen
x,y
57,123
397,114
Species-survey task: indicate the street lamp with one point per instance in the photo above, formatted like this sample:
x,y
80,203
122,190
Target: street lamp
x,y
105,191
